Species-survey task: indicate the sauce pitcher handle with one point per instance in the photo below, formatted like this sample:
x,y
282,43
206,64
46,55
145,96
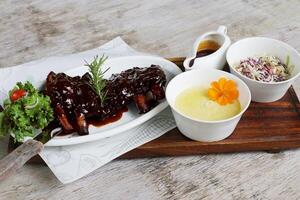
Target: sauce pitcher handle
x,y
222,30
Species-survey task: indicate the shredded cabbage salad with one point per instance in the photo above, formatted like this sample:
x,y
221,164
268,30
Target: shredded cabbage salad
x,y
265,68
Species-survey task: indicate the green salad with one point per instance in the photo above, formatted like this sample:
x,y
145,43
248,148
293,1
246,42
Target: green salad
x,y
26,111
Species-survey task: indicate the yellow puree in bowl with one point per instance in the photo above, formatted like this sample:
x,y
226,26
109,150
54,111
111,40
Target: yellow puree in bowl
x,y
194,102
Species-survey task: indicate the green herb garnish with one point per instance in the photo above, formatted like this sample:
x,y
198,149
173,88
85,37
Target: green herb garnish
x,y
24,115
97,80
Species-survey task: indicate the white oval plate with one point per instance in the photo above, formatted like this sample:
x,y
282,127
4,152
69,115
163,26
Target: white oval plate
x,y
131,118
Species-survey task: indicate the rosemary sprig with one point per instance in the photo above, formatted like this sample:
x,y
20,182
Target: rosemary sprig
x,y
97,81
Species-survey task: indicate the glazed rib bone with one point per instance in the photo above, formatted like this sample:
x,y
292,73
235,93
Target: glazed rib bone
x,y
76,104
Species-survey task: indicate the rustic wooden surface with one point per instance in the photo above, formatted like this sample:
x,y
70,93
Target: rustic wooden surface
x,y
34,29
15,160
260,129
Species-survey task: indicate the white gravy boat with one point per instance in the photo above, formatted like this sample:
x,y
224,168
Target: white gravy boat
x,y
217,59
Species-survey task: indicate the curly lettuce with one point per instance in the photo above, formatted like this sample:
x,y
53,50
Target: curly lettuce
x,y
26,115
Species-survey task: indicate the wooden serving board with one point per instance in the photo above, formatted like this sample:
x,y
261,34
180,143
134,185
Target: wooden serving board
x,y
263,127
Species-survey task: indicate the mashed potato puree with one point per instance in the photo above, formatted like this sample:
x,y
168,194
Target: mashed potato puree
x,y
195,103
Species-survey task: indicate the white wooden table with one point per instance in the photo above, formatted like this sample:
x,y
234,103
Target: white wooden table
x,y
34,29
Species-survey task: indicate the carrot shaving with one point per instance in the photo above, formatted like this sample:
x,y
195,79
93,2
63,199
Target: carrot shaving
x,y
223,91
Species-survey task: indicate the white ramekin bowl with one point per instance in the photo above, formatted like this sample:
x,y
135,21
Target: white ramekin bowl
x,y
202,130
260,46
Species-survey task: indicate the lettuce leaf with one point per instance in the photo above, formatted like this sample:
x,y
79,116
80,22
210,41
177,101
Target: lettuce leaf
x,y
26,115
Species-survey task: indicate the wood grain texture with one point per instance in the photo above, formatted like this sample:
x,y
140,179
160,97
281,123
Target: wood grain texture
x,y
260,129
11,163
33,29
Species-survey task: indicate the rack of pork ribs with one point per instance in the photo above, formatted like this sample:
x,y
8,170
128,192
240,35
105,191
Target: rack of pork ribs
x,y
76,105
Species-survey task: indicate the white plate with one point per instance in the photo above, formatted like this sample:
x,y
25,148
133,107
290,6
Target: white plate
x,y
129,119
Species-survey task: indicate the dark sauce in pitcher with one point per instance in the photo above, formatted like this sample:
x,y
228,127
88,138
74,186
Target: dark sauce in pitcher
x,y
205,48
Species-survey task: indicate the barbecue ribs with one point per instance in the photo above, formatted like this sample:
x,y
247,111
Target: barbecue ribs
x,y
76,104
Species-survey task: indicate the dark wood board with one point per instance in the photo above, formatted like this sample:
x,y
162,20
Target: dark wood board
x,y
263,127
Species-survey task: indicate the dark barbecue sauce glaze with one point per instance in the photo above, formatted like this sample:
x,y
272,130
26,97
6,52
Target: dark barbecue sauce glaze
x,y
96,122
202,53
109,120
76,105
205,48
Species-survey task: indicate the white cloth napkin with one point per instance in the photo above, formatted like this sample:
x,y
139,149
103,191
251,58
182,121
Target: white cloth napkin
x,y
70,163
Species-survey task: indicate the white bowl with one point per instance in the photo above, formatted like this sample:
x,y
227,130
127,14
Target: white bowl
x,y
202,130
258,46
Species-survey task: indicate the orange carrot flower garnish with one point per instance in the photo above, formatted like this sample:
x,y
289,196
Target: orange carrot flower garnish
x,y
223,91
